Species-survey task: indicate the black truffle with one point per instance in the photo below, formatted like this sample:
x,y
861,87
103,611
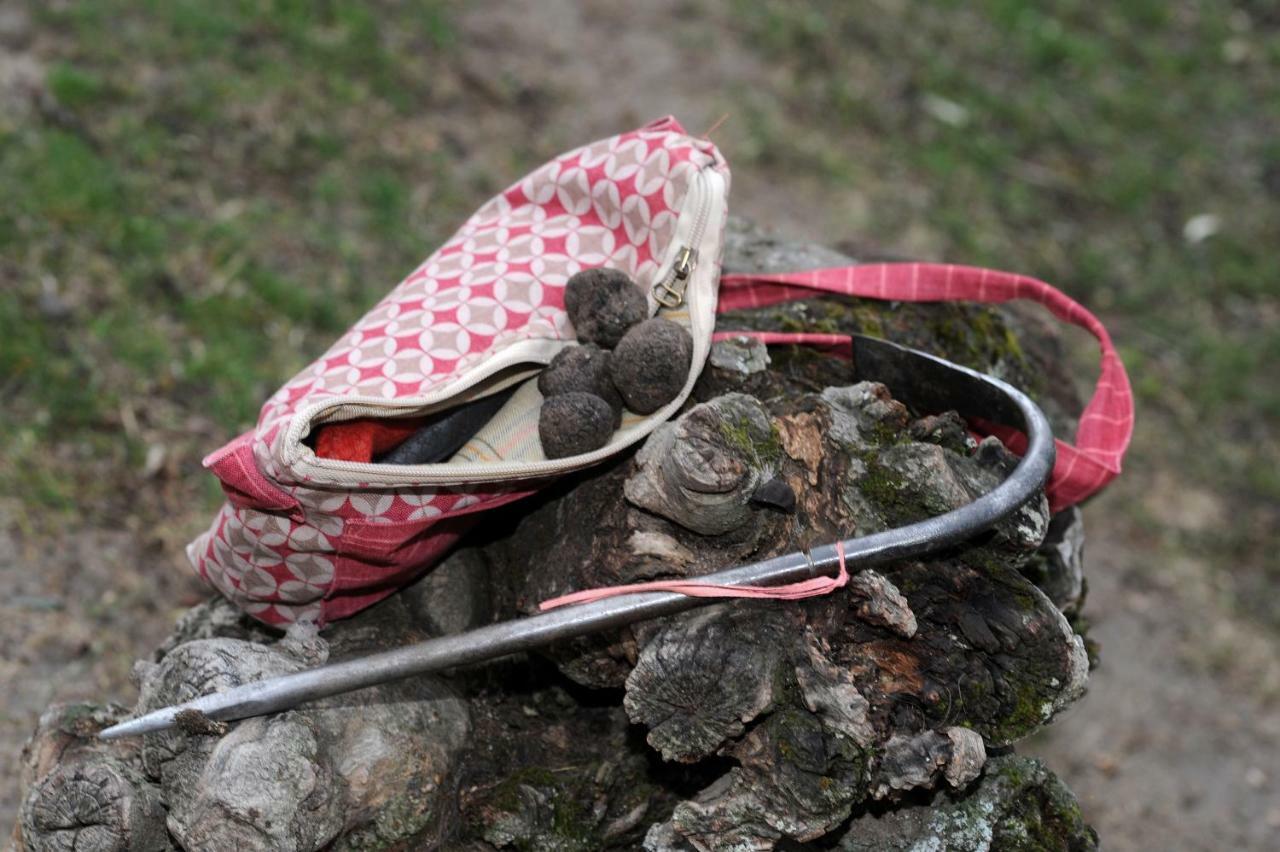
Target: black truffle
x,y
651,363
574,423
602,304
582,368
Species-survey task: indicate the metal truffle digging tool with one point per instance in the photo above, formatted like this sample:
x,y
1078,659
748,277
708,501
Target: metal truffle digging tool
x,y
923,381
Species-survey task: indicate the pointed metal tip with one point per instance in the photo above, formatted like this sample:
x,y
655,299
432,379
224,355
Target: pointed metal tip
x,y
158,720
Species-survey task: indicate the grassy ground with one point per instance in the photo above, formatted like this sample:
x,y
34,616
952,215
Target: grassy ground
x,y
195,198
203,198
1127,150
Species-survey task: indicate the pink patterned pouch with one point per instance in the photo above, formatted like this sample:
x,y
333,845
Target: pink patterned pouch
x,y
308,538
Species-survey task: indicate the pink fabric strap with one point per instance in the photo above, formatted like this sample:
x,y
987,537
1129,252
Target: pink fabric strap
x,y
1106,425
694,589
838,343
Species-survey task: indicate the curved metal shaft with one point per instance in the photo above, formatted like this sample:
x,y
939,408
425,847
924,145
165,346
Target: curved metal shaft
x,y
924,381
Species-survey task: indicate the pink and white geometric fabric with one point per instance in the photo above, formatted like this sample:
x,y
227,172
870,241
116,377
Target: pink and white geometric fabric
x,y
308,539
303,538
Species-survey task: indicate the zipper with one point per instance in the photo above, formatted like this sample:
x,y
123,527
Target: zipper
x,y
670,292
673,287
670,289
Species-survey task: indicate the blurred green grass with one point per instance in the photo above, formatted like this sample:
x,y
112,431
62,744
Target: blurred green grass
x,y
207,199
209,193
1126,151
1077,139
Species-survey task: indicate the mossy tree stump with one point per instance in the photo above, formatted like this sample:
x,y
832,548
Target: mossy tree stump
x,y
880,716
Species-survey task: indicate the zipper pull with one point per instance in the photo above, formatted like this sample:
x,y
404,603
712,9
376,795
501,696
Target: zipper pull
x,y
670,292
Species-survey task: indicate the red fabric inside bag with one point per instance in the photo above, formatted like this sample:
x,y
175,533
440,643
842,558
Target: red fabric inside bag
x,y
360,440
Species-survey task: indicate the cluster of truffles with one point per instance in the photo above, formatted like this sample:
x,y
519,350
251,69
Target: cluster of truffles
x,y
623,360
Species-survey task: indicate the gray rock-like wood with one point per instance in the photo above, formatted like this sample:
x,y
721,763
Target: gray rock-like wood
x,y
1018,804
861,719
99,803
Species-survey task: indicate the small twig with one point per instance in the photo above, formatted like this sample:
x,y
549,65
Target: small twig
x,y
716,126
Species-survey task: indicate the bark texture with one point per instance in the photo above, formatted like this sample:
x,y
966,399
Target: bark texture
x,y
863,719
